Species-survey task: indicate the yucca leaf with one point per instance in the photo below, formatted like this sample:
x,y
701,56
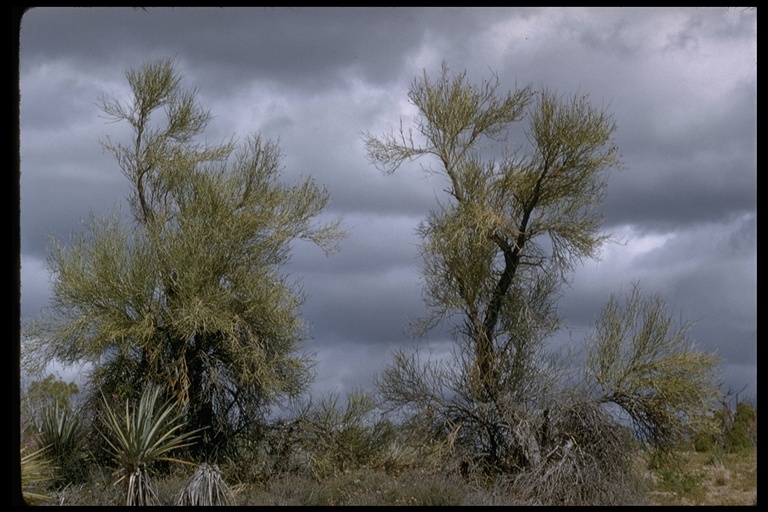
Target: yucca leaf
x,y
35,469
148,433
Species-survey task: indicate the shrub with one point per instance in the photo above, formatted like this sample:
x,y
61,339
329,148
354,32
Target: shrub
x,y
205,487
737,432
683,483
338,438
742,436
587,460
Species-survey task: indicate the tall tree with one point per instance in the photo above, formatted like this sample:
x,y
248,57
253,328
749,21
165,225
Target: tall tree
x,y
513,225
497,251
516,220
192,294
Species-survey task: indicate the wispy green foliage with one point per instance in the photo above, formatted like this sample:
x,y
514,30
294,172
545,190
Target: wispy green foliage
x,y
643,362
736,431
497,253
742,436
49,390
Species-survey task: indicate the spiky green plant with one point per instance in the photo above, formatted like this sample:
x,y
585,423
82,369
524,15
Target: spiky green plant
x,y
36,471
147,433
60,430
206,487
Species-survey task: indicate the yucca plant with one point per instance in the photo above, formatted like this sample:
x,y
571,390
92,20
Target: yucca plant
x,y
36,471
60,431
206,487
146,434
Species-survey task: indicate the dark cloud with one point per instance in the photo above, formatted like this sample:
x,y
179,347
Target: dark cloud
x,y
676,199
680,82
301,48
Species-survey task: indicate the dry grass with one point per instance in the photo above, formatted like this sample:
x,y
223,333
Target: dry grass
x,y
706,479
363,488
700,479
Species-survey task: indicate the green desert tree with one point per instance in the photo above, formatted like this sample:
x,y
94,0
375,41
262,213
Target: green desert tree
x,y
740,435
49,390
516,219
189,291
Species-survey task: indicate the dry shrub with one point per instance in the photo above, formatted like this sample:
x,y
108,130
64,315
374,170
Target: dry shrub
x,y
587,461
205,487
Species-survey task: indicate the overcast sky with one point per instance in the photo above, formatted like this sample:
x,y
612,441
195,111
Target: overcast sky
x,y
680,82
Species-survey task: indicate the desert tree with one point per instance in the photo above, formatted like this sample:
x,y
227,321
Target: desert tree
x,y
497,249
190,293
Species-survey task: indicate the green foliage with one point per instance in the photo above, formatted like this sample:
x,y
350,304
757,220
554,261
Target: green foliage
x,y
50,390
61,432
38,398
705,442
736,432
190,295
641,362
145,434
682,483
490,235
742,436
343,437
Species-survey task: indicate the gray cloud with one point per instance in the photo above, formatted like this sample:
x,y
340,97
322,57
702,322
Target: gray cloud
x,y
681,83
